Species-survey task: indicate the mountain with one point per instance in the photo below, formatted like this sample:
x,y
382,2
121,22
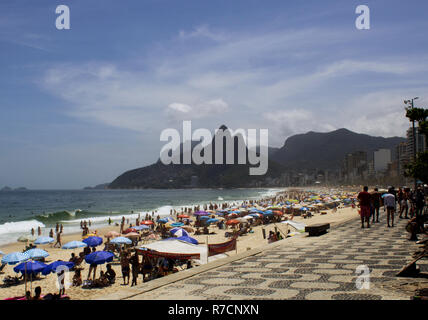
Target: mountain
x,y
159,175
315,150
97,187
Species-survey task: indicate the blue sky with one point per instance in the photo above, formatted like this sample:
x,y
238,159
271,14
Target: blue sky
x,y
79,107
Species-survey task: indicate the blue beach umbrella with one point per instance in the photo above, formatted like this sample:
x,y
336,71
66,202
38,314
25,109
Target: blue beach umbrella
x,y
52,267
93,241
177,224
15,257
188,239
141,227
1,252
74,245
44,240
30,267
204,217
163,220
37,253
212,220
99,257
179,232
121,240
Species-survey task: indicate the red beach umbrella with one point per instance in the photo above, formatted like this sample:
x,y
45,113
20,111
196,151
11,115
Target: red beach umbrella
x,y
146,222
231,222
183,216
129,230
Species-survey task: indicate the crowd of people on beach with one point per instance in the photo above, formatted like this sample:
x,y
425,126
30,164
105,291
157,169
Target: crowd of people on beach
x,y
408,203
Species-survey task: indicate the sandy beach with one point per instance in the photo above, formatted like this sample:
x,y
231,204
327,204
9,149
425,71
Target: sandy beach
x,y
246,242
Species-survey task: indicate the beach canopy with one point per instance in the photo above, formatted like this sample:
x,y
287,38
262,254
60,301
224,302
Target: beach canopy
x,y
26,238
99,257
178,232
15,257
37,253
29,267
112,234
44,240
121,240
74,245
93,241
52,266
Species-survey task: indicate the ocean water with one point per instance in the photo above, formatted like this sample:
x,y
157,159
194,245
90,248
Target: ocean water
x,y
22,210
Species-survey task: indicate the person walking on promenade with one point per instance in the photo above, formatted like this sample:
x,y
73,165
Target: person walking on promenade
x,y
364,199
375,204
404,205
390,205
419,201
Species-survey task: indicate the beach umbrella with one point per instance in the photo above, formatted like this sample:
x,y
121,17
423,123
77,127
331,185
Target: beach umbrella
x,y
201,213
44,240
93,241
232,222
184,238
1,252
163,220
15,257
112,234
99,257
232,215
188,239
146,222
212,220
183,216
29,267
89,235
129,230
141,227
74,245
178,232
52,266
177,224
132,235
26,238
37,253
204,217
121,240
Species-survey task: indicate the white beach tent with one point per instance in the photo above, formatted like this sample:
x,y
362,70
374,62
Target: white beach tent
x,y
297,225
178,246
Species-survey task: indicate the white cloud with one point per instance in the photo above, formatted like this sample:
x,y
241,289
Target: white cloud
x,y
264,80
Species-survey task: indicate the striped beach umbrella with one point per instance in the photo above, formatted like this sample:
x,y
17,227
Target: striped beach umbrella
x,y
179,232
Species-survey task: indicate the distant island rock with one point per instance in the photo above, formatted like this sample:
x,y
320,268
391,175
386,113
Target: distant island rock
x,y
21,189
98,187
6,189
